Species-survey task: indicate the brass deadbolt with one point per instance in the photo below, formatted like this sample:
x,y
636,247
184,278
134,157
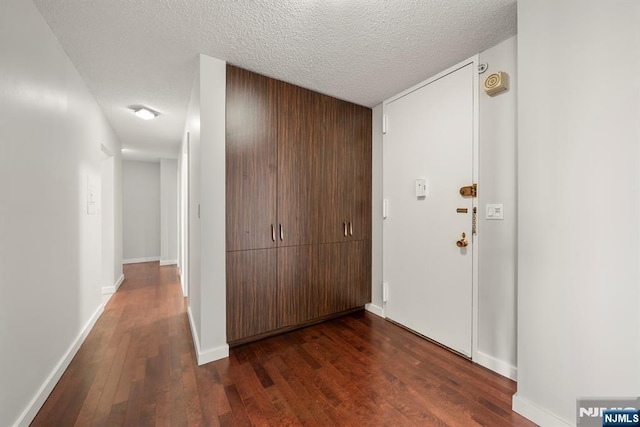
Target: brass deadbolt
x,y
462,243
469,191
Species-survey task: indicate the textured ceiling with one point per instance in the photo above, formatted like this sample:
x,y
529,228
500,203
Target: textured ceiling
x,y
364,51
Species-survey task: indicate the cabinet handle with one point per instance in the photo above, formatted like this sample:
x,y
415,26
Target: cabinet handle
x,y
273,233
350,229
344,228
281,233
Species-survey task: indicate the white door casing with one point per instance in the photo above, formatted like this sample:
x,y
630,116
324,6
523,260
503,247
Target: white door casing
x,y
431,134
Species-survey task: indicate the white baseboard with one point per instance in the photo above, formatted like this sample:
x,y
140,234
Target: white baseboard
x,y
209,355
375,309
183,285
45,389
194,332
168,262
138,260
213,354
119,282
535,413
496,365
107,290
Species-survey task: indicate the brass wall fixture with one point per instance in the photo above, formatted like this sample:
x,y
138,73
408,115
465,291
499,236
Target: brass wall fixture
x,y
462,210
469,191
496,83
462,243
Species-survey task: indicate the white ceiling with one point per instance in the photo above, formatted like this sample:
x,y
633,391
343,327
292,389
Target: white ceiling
x,y
145,51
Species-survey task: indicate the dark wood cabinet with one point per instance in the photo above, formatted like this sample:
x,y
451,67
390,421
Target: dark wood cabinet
x,y
359,197
297,284
253,293
298,206
298,144
345,171
251,160
345,280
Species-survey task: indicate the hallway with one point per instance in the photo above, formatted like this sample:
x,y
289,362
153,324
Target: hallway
x,y
137,368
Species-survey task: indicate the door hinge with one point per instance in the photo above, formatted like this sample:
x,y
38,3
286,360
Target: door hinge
x,y
385,208
385,291
385,123
469,190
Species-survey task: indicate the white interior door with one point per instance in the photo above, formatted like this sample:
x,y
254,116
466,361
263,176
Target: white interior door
x,y
430,136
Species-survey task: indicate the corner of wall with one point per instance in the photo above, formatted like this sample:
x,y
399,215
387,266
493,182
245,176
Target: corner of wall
x,y
375,309
496,365
107,290
376,220
208,355
207,188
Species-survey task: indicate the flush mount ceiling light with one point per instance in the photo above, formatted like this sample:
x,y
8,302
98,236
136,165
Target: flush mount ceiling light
x,y
144,113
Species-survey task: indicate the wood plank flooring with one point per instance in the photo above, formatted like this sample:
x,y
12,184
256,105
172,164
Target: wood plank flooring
x,y
137,367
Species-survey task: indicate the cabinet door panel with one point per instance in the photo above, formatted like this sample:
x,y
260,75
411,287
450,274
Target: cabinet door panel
x,y
344,276
251,162
359,274
298,138
251,293
335,162
297,284
359,174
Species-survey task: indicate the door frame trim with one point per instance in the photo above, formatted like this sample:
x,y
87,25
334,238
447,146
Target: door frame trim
x,y
474,61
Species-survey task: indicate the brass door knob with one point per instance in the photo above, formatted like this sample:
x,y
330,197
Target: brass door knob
x,y
462,242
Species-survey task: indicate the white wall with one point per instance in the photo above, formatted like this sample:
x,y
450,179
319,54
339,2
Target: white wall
x,y
111,218
51,132
497,238
169,211
376,306
578,223
141,211
107,215
117,216
193,219
183,208
213,88
207,194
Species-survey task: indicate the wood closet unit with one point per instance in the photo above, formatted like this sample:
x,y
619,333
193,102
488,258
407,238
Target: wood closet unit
x,y
298,178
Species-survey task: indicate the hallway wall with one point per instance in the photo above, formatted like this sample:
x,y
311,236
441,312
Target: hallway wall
x,y
51,133
497,238
168,211
141,211
578,196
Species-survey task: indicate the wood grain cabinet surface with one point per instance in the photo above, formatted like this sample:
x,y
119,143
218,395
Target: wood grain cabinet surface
x,y
298,206
251,160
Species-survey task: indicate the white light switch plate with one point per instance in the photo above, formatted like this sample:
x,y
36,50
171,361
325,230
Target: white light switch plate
x,y
495,211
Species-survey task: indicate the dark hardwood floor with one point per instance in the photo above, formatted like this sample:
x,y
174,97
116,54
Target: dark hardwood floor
x,y
137,368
